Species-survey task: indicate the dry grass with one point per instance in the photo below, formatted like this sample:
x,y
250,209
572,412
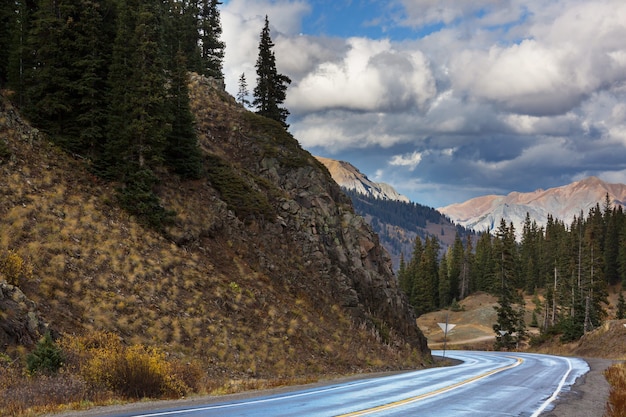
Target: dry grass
x,y
616,376
202,291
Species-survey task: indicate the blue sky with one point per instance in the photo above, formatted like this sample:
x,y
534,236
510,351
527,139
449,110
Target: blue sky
x,y
444,99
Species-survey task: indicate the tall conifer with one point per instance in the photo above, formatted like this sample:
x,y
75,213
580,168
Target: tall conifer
x,y
182,152
138,123
210,34
271,89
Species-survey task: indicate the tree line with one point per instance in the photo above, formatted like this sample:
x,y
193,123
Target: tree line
x,y
571,265
106,80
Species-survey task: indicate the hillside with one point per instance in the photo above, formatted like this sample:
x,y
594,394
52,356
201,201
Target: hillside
x,y
266,271
399,223
476,316
484,213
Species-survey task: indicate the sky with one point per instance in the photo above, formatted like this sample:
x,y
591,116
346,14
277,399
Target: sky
x,y
447,100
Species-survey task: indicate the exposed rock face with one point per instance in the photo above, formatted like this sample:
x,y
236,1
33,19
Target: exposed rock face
x,y
20,323
344,250
315,220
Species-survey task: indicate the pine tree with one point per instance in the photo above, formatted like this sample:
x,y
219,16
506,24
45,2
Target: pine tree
x,y
7,27
210,33
467,280
271,89
425,291
510,327
48,82
242,93
403,276
65,90
181,33
621,259
138,121
444,281
20,57
182,151
484,264
47,358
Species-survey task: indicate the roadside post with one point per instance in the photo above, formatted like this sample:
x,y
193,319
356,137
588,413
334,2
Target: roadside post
x,y
446,327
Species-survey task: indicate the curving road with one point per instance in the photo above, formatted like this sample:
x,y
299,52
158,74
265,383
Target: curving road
x,y
485,384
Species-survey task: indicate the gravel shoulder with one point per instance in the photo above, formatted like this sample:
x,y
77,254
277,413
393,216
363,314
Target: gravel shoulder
x,y
588,396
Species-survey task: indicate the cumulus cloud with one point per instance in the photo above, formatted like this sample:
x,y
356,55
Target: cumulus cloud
x,y
371,76
556,68
408,160
487,95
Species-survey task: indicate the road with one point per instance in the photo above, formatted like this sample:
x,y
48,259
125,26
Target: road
x,y
485,384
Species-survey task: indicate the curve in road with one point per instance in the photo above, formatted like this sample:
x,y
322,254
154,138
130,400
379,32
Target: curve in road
x,y
484,384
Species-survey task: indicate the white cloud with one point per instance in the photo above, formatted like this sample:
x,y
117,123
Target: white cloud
x,y
556,68
410,160
521,94
371,76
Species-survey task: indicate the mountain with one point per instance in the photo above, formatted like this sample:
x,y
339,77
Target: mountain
x,y
264,272
348,176
563,203
396,220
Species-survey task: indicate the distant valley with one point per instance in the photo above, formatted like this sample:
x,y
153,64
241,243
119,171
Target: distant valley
x,y
395,219
398,221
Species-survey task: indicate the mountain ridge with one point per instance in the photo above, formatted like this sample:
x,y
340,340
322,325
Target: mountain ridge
x,y
349,176
564,202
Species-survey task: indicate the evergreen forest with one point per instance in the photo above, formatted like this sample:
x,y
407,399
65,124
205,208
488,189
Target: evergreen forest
x,y
571,265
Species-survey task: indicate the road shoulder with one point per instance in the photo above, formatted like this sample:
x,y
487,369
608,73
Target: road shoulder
x,y
588,396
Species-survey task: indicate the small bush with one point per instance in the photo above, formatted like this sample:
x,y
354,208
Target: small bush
x,y
138,198
47,358
14,267
42,392
134,372
237,190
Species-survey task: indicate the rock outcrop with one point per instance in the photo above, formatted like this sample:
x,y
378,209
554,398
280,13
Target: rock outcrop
x,y
314,220
20,322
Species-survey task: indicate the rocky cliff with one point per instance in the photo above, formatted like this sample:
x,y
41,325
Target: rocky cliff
x,y
266,269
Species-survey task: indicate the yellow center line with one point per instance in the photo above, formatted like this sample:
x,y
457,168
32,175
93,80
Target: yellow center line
x,y
417,398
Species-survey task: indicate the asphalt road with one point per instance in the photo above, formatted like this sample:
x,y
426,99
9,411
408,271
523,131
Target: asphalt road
x,y
484,384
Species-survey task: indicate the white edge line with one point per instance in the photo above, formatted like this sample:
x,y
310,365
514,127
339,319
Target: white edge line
x,y
555,393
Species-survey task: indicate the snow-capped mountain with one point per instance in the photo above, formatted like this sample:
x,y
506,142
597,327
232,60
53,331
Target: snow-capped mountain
x,y
348,176
563,203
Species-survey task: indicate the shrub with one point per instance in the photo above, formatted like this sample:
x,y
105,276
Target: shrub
x,y
47,358
237,190
14,267
43,393
139,199
134,372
